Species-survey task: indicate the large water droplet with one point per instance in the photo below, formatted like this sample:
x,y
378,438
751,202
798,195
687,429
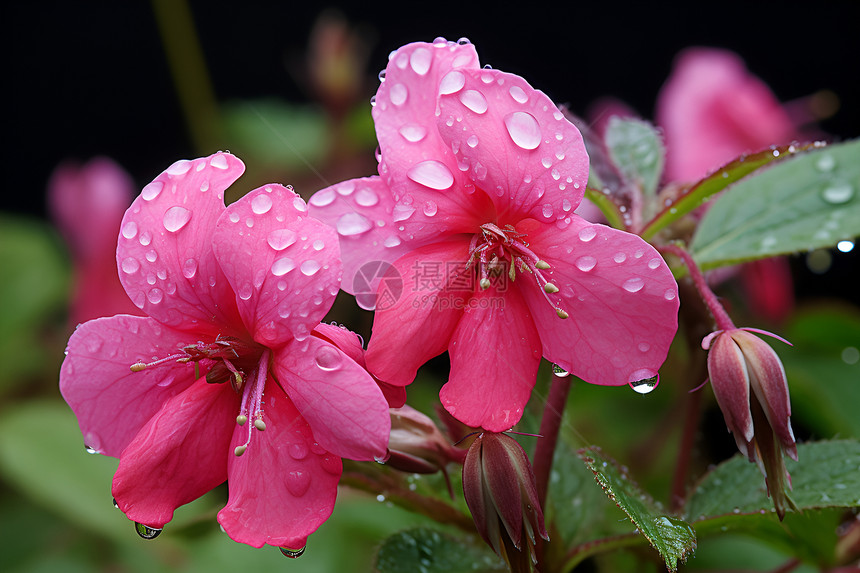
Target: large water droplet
x,y
452,83
323,198
351,224
175,218
309,267
586,234
282,266
634,284
524,129
431,173
245,291
825,163
413,133
90,449
292,553
129,230
152,190
145,531
261,204
837,193
586,263
366,197
299,449
181,167
474,100
420,61
559,371
219,161
298,482
430,208
402,212
155,295
328,358
130,265
398,94
391,241
472,141
547,210
619,257
280,239
518,94
644,380
189,269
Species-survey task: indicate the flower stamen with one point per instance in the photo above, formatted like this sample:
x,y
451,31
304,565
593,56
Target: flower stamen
x,y
252,402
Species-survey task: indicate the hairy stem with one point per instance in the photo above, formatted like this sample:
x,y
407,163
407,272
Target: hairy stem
x,y
717,311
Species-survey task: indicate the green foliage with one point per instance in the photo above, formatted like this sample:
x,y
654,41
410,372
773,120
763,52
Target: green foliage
x,y
637,151
431,551
808,202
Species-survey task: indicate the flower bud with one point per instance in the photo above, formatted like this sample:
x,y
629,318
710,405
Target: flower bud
x,y
759,420
499,488
416,445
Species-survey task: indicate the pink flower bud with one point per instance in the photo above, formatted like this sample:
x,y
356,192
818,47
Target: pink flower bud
x,y
500,490
759,420
416,444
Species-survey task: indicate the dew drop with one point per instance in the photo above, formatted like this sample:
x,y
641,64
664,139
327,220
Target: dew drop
x,y
152,190
619,257
280,239
151,256
430,208
643,380
129,230
634,284
245,291
420,61
130,265
472,141
309,267
586,234
547,210
431,173
145,531
155,295
323,198
523,129
559,371
219,162
175,218
398,94
653,263
644,347
474,100
518,94
401,213
298,482
670,294
366,197
391,241
261,204
189,269
825,163
838,193
318,245
234,217
299,204
328,358
292,553
181,167
452,83
586,263
352,224
282,266
413,133
90,449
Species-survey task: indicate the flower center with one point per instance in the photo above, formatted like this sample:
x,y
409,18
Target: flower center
x,y
244,365
495,248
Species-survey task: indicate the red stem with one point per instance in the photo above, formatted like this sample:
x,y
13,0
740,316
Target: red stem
x,y
717,311
549,426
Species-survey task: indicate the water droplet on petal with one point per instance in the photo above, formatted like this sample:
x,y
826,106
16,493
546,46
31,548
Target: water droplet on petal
x,y
219,162
298,482
474,100
430,208
152,190
366,197
391,241
280,239
328,358
146,532
351,224
559,371
452,83
90,449
300,204
155,295
586,263
282,266
323,198
619,257
261,204
643,380
633,285
181,167
644,347
547,210
398,94
431,173
838,193
129,230
189,269
524,129
175,218
586,234
401,213
130,265
413,133
309,267
472,141
518,94
292,553
299,450
245,291
670,294
420,61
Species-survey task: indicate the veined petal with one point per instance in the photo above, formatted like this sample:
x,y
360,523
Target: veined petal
x,y
164,255
111,402
495,353
730,379
620,296
361,210
518,147
418,324
433,194
283,265
284,486
180,454
339,399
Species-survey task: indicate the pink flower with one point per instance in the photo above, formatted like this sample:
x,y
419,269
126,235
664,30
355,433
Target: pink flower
x,y
230,376
87,203
712,110
759,420
479,177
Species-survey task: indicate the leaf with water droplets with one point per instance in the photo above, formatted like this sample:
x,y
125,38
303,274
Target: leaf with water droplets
x,y
431,551
673,538
811,201
637,151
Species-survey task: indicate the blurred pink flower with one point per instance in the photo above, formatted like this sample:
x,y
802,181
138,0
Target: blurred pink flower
x,y
87,203
234,297
739,361
473,207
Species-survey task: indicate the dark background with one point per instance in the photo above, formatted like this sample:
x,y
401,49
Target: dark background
x,y
90,78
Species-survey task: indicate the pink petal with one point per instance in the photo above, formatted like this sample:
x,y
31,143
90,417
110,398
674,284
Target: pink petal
x,y
284,486
180,454
495,353
433,195
620,296
518,147
282,264
338,398
419,322
361,210
729,375
165,254
111,402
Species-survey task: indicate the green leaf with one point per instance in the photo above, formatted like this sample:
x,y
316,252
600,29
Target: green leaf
x,y
637,151
703,191
673,538
807,202
827,475
431,551
607,206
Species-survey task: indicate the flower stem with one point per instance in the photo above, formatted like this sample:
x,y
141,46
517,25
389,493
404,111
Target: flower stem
x,y
549,426
717,311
